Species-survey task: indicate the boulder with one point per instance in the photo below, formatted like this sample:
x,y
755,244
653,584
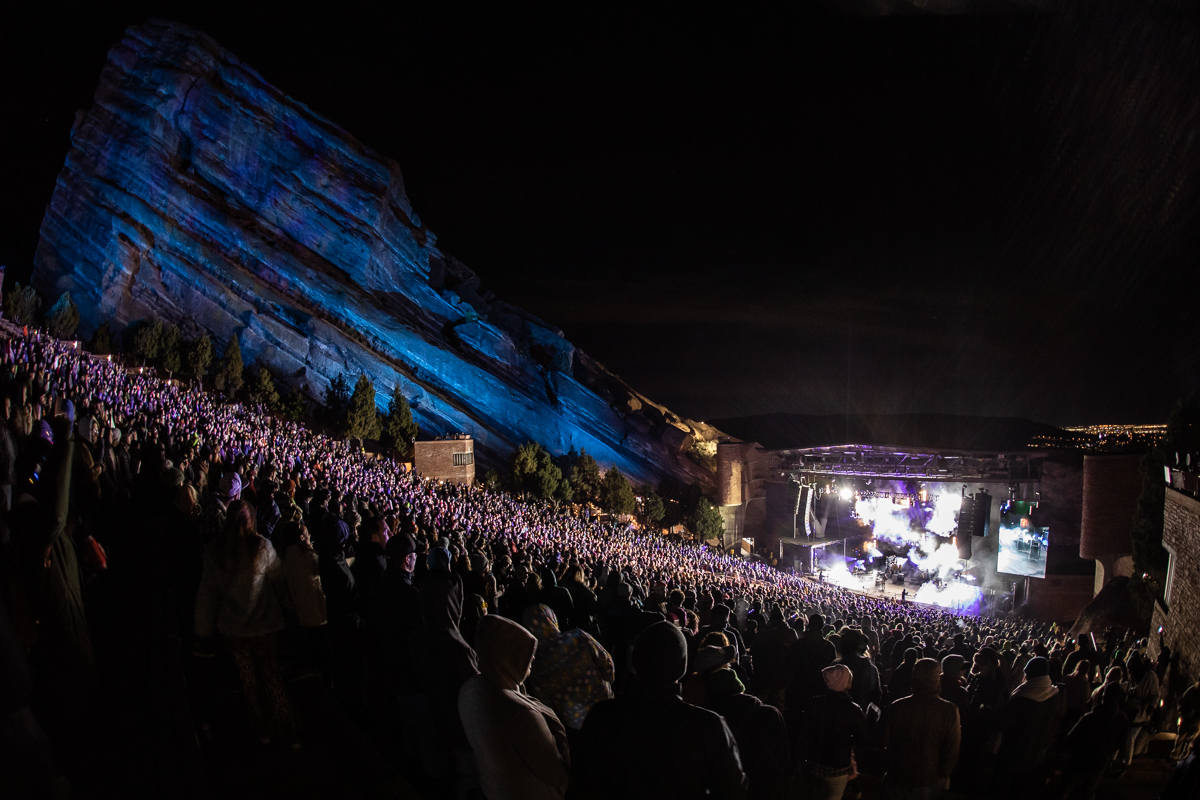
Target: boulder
x,y
198,193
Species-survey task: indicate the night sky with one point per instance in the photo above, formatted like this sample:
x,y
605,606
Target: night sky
x,y
743,212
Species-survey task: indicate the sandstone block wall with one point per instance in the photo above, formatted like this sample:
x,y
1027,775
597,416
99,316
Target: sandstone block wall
x,y
450,460
1180,618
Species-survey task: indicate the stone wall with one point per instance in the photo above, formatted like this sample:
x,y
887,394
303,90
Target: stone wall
x,y
436,459
1179,619
1059,598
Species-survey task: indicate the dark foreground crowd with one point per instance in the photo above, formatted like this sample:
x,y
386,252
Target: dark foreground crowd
x,y
515,651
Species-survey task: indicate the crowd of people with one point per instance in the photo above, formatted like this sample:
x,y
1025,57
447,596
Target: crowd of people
x,y
519,650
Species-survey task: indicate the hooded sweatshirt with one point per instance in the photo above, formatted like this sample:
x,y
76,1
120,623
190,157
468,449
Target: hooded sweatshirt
x,y
923,731
571,672
442,659
520,743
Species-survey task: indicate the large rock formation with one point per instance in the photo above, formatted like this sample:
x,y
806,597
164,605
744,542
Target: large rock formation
x,y
196,192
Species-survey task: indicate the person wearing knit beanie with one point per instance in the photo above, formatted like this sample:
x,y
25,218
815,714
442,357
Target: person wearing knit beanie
x,y
837,678
833,727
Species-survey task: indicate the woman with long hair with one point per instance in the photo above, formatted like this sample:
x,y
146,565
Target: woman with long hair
x,y
240,592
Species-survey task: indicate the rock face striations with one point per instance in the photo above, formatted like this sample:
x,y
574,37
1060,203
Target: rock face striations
x,y
198,193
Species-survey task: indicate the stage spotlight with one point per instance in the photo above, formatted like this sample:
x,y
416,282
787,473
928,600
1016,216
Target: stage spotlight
x,y
847,493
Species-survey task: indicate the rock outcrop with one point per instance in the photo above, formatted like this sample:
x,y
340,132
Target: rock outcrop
x,y
196,192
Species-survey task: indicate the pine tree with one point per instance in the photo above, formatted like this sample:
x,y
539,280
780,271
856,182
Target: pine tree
x,y
583,473
294,406
653,510
228,377
158,343
200,355
262,390
532,472
616,495
399,429
705,521
101,342
22,304
362,418
63,317
336,404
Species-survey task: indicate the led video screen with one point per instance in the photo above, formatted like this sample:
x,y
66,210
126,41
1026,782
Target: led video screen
x,y
1023,541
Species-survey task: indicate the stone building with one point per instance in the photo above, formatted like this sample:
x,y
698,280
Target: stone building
x,y
448,459
1111,485
1178,614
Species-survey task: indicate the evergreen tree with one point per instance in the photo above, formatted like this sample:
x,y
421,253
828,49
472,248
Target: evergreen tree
x,y
199,357
228,377
22,304
337,404
362,418
616,495
583,474
158,343
532,472
262,390
399,429
63,317
652,507
294,406
705,521
101,342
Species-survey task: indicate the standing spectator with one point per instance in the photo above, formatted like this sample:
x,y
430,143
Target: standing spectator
x,y
833,727
520,744
953,688
1030,722
769,652
571,672
633,747
922,739
239,595
1093,743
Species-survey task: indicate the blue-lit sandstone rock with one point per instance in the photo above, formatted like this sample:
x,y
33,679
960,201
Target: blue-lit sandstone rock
x,y
196,192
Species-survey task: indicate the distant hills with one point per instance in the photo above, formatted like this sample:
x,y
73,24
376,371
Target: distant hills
x,y
932,431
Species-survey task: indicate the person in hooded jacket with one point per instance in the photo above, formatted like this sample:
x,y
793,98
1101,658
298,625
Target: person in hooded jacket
x,y
922,738
758,729
649,743
1031,719
520,744
572,672
443,661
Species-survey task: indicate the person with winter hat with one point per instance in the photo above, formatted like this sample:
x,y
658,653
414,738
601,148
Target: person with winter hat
x,y
833,727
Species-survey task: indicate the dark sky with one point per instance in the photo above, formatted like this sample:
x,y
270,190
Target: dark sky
x,y
745,211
